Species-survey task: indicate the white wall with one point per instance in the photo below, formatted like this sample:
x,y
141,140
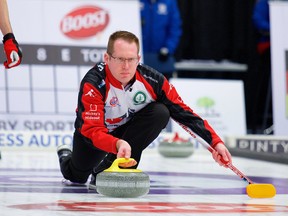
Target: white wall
x,y
279,52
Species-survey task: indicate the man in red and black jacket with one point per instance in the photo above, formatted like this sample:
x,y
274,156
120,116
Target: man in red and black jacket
x,y
123,106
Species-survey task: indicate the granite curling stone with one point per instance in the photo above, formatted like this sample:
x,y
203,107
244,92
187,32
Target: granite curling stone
x,y
176,147
122,182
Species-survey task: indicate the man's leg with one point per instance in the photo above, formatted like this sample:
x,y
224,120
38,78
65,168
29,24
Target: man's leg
x,y
78,165
144,128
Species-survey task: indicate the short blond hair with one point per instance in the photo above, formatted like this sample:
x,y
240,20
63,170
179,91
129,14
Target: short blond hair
x,y
125,35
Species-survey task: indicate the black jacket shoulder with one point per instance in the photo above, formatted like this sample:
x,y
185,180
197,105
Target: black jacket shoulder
x,y
96,76
152,76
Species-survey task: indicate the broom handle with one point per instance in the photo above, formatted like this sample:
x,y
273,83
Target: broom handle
x,y
230,166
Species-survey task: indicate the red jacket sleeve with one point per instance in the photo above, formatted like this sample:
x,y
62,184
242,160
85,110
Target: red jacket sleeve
x,y
93,117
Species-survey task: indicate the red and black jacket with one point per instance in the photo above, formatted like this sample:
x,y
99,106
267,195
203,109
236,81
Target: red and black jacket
x,y
104,104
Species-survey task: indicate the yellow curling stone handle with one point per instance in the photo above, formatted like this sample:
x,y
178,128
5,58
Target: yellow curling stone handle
x,y
115,166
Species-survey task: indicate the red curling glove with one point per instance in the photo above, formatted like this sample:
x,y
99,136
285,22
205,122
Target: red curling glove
x,y
12,51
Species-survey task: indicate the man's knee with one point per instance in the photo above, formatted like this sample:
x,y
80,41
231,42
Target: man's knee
x,y
160,112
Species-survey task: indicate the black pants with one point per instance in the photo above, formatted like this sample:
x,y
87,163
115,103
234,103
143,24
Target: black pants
x,y
139,132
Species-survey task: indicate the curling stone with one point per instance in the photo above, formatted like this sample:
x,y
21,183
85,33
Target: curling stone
x,y
122,182
176,147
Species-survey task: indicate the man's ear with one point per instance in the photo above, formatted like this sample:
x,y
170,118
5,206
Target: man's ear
x,y
106,57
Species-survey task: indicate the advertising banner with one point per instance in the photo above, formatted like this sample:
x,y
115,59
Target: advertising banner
x,y
60,40
220,102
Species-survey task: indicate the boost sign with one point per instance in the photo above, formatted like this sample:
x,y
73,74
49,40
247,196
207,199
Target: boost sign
x,y
84,22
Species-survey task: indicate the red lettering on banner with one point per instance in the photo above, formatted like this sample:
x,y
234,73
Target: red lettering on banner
x,y
84,22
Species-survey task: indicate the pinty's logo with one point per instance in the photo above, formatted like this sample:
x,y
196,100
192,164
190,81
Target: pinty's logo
x,y
84,22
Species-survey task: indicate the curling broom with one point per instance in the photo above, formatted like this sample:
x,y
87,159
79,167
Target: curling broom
x,y
253,190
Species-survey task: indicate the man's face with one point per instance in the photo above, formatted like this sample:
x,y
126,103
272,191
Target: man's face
x,y
123,61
